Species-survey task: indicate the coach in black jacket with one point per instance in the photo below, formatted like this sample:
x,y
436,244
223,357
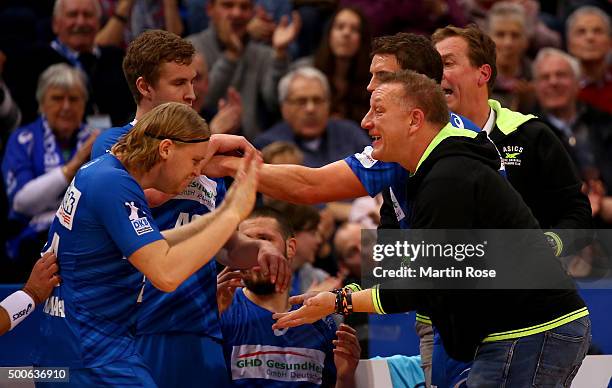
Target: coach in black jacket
x,y
455,184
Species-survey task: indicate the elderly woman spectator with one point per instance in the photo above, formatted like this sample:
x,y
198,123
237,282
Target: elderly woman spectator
x,y
42,158
589,38
344,57
507,26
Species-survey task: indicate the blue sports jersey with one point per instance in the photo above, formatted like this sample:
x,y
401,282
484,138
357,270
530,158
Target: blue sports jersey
x,y
192,307
107,139
258,356
375,176
88,318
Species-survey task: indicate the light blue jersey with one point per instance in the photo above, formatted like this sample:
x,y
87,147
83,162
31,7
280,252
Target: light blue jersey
x,y
376,176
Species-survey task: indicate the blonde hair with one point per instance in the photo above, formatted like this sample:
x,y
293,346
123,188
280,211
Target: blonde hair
x,y
138,149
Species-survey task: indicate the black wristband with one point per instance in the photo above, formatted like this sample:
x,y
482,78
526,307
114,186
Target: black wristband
x,y
121,18
344,301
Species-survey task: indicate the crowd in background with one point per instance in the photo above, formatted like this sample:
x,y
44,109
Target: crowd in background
x,y
291,77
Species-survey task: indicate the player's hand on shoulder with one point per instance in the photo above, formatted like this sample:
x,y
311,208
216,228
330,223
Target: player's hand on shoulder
x,y
43,278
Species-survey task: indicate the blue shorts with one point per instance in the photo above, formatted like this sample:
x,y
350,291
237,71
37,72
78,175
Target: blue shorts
x,y
129,372
184,360
446,371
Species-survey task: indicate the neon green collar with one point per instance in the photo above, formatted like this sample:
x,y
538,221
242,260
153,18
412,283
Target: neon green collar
x,y
507,120
445,133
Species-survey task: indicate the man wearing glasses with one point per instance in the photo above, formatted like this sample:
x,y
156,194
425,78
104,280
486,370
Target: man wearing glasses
x,y
304,96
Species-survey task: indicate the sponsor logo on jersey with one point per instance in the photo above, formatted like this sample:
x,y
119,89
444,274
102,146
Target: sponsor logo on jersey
x,y
456,121
277,363
138,218
54,306
68,207
365,157
202,190
512,155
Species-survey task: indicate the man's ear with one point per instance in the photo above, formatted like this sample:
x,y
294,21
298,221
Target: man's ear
x,y
417,119
291,244
164,148
143,87
485,74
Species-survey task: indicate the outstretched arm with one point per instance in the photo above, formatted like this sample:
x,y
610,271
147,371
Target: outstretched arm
x,y
299,184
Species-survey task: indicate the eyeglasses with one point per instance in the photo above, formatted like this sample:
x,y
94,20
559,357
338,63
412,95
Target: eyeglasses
x,y
303,101
197,140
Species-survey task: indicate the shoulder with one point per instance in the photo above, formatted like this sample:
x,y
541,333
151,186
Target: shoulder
x,y
104,177
25,134
280,131
348,128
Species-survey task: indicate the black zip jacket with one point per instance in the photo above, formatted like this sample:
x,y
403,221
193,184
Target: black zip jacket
x,y
458,186
541,170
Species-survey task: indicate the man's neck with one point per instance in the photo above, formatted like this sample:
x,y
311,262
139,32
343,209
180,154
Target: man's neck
x,y
566,114
142,109
276,302
411,158
594,70
479,112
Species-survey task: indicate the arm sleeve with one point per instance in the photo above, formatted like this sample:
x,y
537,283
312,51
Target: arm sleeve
x,y
124,213
373,174
17,166
563,195
41,193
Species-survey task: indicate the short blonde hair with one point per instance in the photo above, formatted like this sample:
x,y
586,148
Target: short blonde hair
x,y
138,148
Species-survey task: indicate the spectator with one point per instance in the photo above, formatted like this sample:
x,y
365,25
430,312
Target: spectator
x,y
124,20
344,57
588,39
42,158
304,95
229,112
507,26
233,60
585,131
541,35
75,23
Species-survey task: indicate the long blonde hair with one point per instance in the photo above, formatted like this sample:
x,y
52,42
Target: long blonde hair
x,y
138,149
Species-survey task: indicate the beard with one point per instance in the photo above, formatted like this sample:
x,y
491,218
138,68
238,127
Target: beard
x,y
260,287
